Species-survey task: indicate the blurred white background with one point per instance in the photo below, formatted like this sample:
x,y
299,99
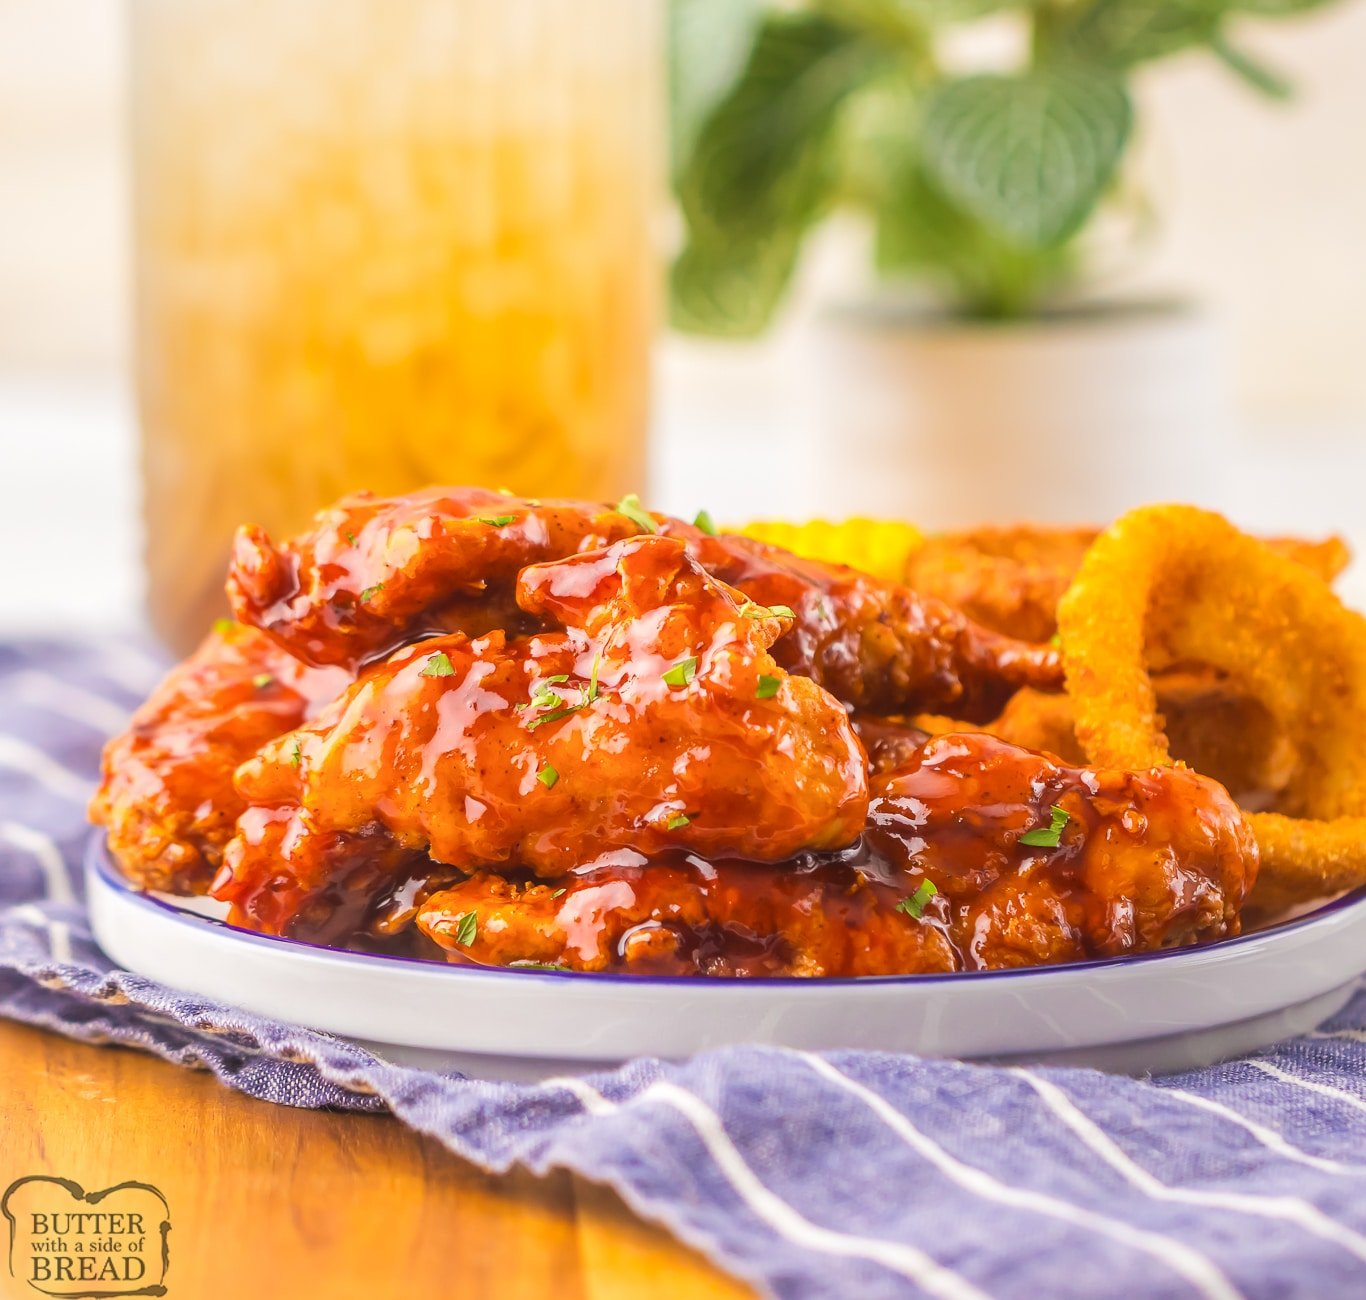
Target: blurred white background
x,y
1263,210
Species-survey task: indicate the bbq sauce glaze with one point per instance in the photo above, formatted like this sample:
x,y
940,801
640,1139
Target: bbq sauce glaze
x,y
976,855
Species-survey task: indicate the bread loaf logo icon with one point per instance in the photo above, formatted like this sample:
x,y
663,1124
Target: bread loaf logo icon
x,y
78,1245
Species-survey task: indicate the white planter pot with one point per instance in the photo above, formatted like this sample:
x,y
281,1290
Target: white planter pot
x,y
1070,419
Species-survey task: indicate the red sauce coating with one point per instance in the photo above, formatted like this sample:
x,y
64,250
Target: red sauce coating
x,y
375,573
1142,861
550,737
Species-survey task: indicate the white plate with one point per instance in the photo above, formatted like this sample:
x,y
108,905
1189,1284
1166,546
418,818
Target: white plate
x,y
1153,1013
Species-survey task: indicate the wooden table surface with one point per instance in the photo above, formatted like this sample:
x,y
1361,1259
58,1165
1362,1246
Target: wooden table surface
x,y
269,1201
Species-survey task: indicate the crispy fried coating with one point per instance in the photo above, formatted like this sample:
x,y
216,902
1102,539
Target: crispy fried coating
x,y
1174,585
1011,579
947,878
1007,579
1223,734
166,796
374,573
655,720
875,645
727,918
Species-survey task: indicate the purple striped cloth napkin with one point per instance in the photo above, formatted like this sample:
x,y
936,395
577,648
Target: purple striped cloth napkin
x,y
846,1174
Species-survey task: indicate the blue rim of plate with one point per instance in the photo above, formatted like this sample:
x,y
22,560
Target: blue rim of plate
x,y
98,861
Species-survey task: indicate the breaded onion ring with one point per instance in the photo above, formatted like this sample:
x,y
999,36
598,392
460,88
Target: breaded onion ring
x,y
1170,586
1011,579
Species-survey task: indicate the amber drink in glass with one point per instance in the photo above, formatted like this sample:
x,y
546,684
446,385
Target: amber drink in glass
x,y
384,243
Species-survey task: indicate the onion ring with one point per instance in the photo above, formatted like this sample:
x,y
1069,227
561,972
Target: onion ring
x,y
1170,586
1011,579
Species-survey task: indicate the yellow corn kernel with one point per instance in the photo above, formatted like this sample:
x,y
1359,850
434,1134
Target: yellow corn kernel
x,y
877,546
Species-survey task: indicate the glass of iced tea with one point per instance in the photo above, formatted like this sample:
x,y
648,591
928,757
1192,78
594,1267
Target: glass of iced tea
x,y
383,243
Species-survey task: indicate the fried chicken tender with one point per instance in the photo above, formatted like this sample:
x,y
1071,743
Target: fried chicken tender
x,y
1142,860
375,573
1007,579
166,795
1173,585
875,645
1011,579
689,918
946,879
655,720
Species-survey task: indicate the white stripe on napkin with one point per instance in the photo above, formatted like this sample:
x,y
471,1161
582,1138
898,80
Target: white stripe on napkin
x,y
1324,1089
42,690
1202,1273
58,932
1269,1138
128,668
1286,1209
20,757
45,853
914,1264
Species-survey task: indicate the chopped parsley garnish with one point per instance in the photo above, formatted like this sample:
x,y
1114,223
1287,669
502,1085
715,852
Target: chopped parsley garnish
x,y
351,537
262,680
768,687
630,506
495,521
466,927
1050,836
556,715
677,821
915,904
439,665
370,591
547,776
536,965
296,755
545,698
223,626
561,890
704,522
1055,641
682,672
752,610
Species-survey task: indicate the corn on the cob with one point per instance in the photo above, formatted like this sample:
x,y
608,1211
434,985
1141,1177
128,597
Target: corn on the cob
x,y
877,546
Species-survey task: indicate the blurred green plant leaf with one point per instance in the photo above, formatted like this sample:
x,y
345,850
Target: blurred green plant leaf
x,y
936,12
708,42
910,18
1253,71
921,233
1122,33
1027,156
762,169
979,185
760,153
1276,8
732,290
